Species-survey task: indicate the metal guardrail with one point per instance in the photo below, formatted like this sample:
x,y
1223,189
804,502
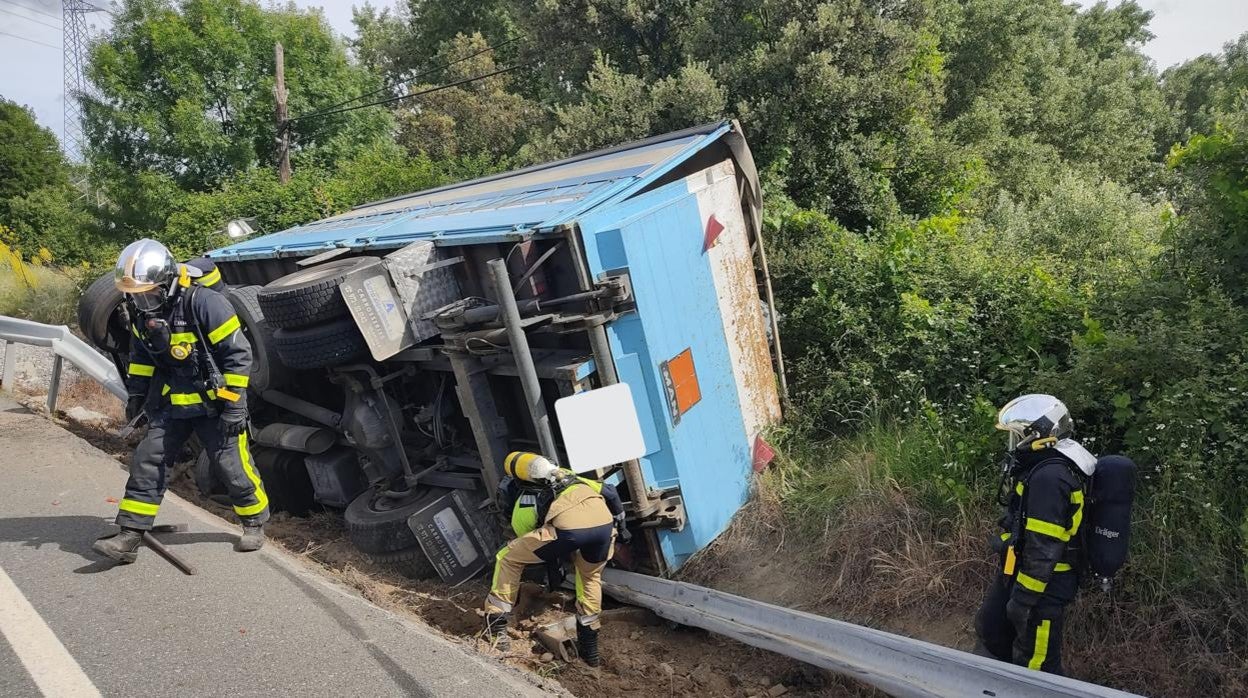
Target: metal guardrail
x,y
898,665
65,346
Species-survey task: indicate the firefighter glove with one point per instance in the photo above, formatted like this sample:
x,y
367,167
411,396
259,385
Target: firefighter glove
x,y
1018,613
622,529
233,419
134,405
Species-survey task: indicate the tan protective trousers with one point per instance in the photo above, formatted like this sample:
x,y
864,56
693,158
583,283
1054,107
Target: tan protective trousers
x,y
547,543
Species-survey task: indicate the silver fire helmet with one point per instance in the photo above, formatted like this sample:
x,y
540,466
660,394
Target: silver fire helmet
x,y
145,271
1032,417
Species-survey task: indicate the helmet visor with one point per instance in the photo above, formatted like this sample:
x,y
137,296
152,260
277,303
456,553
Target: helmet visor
x,y
149,301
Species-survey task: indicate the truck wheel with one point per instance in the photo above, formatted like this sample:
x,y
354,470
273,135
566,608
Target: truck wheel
x,y
322,346
311,295
101,317
410,563
378,525
266,371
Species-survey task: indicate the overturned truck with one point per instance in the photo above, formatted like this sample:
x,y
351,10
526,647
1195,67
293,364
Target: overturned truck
x,y
611,311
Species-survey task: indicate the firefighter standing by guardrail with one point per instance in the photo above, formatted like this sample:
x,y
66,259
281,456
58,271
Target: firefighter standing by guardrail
x,y
1054,491
555,515
189,370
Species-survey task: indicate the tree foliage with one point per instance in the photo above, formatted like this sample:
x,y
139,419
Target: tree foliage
x,y
30,155
186,90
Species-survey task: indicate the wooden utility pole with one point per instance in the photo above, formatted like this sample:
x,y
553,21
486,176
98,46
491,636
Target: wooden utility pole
x,y
283,123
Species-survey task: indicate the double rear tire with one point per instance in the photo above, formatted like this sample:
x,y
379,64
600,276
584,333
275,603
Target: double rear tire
x,y
314,326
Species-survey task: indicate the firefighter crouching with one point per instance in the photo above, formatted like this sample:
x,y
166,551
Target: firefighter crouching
x,y
189,368
556,515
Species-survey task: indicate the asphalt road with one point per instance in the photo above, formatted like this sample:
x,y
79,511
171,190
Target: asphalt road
x,y
245,625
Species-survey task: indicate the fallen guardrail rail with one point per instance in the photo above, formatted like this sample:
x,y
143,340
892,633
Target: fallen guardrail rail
x,y
898,665
64,345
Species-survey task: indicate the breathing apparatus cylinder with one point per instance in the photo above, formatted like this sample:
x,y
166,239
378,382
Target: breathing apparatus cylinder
x,y
1109,525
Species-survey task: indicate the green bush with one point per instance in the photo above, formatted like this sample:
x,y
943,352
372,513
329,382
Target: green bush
x,y
904,343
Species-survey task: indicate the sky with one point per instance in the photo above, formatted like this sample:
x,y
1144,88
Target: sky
x,y
31,70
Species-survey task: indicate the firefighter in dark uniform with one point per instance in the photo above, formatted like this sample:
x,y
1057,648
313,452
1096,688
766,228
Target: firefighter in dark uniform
x,y
188,370
556,515
1043,488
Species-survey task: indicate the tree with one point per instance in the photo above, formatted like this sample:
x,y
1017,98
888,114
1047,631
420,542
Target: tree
x,y
483,118
1205,90
30,155
618,107
39,208
186,90
1036,87
409,39
1215,204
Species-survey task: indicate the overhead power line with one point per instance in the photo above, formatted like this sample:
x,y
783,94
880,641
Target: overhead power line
x,y
422,74
438,88
32,19
33,41
32,9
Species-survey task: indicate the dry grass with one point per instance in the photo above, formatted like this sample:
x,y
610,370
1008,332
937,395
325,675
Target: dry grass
x,y
877,558
38,293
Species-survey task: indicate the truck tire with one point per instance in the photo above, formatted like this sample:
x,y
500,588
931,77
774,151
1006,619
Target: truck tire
x,y
321,346
266,371
410,563
378,525
310,296
101,318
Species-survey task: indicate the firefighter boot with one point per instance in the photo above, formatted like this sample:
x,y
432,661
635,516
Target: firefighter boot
x,y
122,546
587,644
252,538
496,631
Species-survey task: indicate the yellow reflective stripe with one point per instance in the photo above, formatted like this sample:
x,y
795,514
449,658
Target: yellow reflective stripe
x,y
1062,567
165,390
224,330
136,507
1078,516
580,587
262,499
1005,535
1041,651
1031,583
183,399
498,563
235,380
182,338
141,370
1048,529
210,278
1076,497
1019,489
135,331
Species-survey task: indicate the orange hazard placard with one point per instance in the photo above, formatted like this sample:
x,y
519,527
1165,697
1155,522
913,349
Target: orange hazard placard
x,y
680,380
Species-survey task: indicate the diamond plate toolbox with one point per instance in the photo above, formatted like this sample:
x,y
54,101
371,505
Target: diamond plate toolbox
x,y
425,282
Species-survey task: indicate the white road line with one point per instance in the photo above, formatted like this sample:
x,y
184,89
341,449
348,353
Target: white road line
x,y
55,672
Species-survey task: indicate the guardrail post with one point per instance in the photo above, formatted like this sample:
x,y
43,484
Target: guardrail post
x,y
8,380
54,386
